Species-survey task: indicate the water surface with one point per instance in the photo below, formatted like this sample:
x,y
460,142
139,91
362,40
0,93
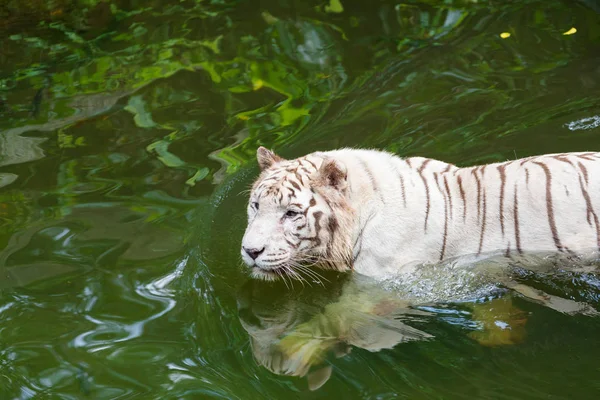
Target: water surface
x,y
128,130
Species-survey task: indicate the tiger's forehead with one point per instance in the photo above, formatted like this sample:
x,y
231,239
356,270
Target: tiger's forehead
x,y
287,180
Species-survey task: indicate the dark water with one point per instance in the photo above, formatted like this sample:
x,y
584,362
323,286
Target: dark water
x,y
128,130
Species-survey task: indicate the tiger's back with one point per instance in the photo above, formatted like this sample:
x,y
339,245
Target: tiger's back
x,y
543,203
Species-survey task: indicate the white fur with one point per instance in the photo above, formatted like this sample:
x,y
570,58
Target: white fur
x,y
388,231
394,235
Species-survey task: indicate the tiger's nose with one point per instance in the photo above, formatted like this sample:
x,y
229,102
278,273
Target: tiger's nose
x,y
254,253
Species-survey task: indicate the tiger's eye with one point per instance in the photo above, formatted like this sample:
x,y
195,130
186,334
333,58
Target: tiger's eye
x,y
255,205
291,213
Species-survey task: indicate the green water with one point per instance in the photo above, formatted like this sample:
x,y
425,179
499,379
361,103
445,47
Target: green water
x,y
128,130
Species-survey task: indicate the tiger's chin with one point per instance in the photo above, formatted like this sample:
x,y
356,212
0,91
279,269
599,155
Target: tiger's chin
x,y
270,274
311,272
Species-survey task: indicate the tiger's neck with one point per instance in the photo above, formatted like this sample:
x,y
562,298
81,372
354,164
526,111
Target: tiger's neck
x,y
400,211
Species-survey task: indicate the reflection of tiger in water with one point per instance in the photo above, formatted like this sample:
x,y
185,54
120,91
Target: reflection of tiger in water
x,y
301,332
379,214
294,333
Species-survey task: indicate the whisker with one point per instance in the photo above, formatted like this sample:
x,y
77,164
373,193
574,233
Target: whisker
x,y
289,278
311,265
281,275
311,273
294,274
316,260
312,278
317,275
298,270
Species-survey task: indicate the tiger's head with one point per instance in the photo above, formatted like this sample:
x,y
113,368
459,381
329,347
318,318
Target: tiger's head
x,y
298,213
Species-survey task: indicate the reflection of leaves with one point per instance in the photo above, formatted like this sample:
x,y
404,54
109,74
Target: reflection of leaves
x,y
161,148
287,80
70,34
335,6
142,117
66,141
198,176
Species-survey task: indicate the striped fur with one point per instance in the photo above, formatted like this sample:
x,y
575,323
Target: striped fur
x,y
379,214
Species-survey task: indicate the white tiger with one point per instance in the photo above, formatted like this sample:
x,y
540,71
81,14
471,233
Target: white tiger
x,y
379,214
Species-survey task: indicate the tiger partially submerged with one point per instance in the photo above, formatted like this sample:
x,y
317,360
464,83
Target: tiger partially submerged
x,y
380,215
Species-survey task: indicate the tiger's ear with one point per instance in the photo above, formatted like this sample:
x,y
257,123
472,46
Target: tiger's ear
x,y
334,174
266,158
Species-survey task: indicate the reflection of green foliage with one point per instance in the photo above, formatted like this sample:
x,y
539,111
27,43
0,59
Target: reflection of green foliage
x,y
142,117
318,75
13,212
66,141
334,6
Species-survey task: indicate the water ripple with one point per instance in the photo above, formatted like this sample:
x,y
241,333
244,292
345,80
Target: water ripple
x,y
584,123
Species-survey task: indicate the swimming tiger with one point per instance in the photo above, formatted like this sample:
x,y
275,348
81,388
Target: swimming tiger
x,y
379,214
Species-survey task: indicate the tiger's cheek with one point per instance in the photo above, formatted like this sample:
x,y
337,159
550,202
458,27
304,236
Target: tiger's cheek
x,y
295,225
281,229
300,227
297,230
